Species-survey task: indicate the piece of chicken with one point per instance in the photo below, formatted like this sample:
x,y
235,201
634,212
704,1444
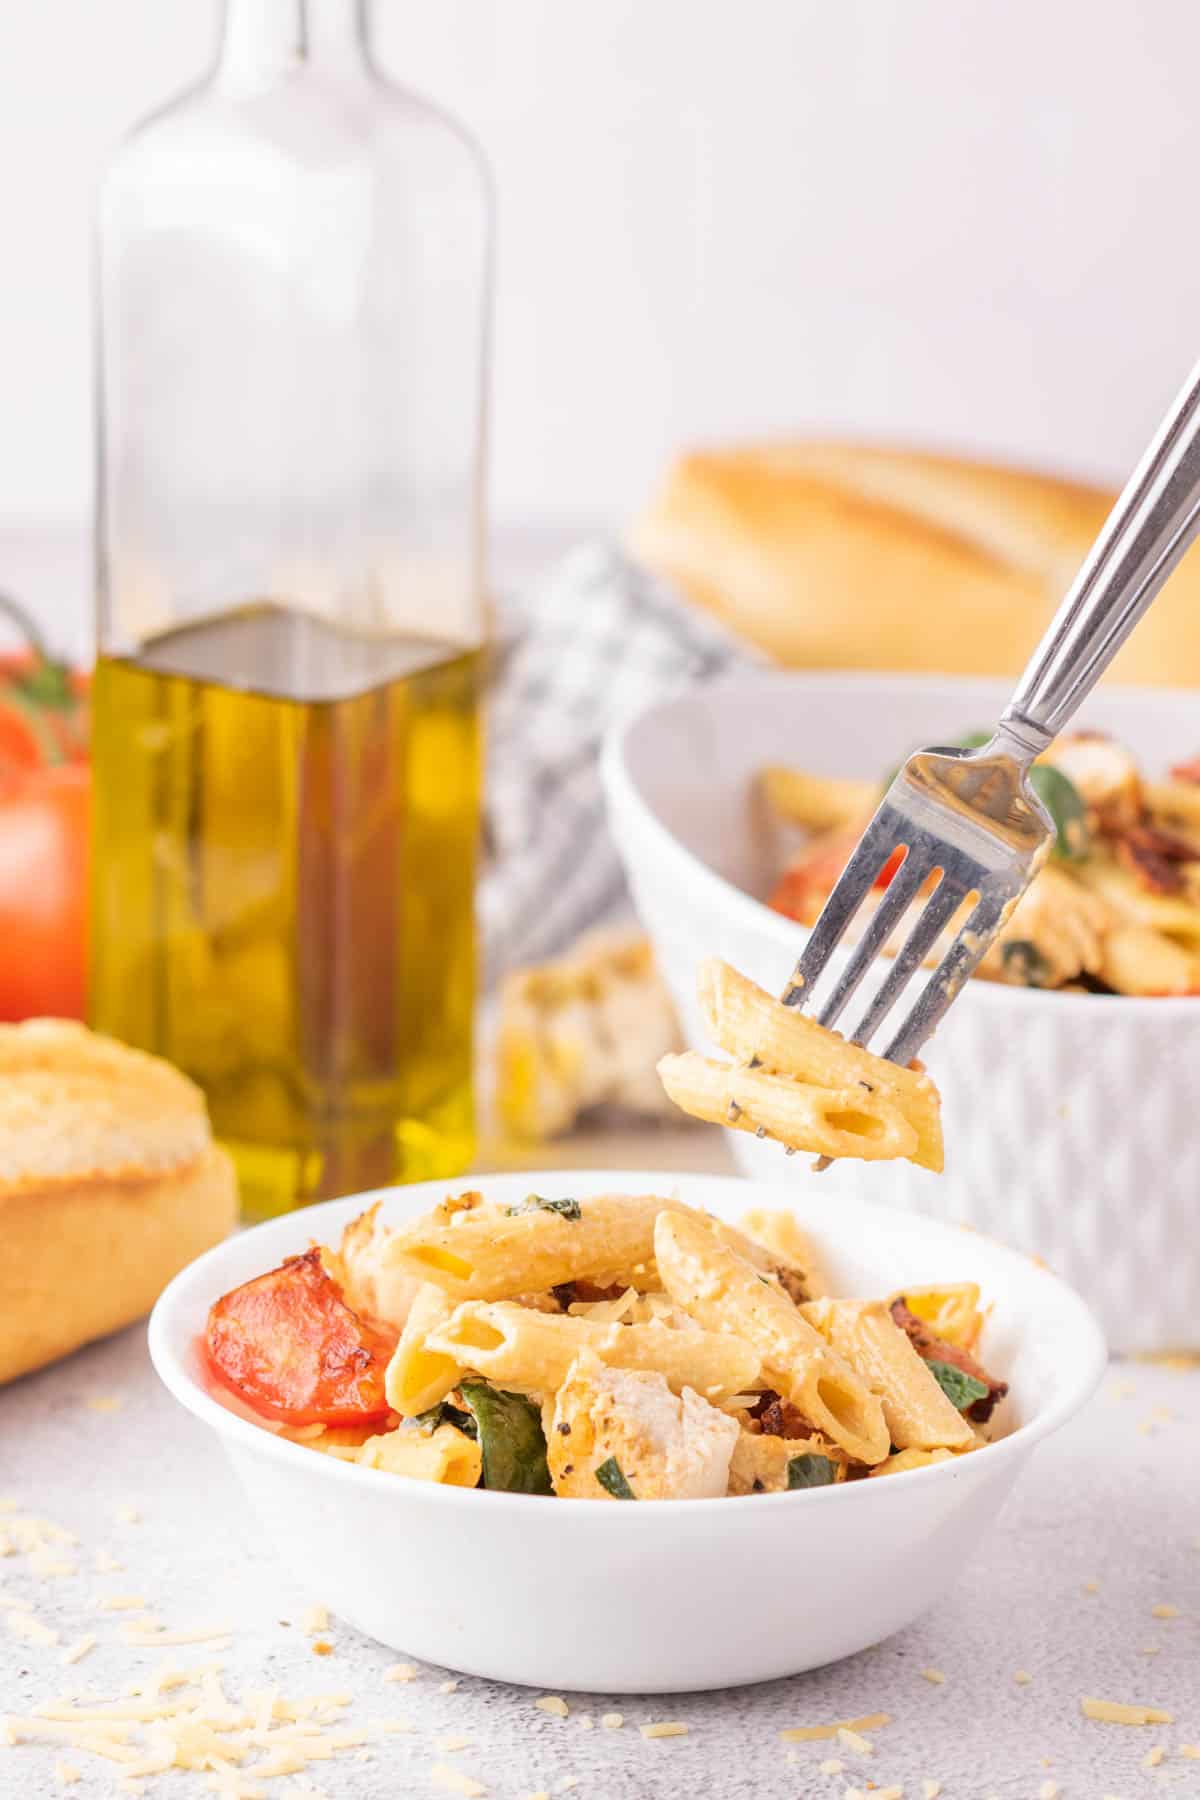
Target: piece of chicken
x,y
664,1446
1054,934
1105,775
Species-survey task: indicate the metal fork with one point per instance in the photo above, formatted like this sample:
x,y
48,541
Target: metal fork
x,y
968,821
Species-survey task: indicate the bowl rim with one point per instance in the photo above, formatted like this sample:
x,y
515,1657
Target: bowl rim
x,y
170,1366
625,795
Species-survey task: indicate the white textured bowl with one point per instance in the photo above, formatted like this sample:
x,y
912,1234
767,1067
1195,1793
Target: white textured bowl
x,y
1070,1120
648,1598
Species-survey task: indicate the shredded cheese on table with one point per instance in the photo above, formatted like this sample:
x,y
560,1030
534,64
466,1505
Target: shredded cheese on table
x,y
1119,1712
664,1728
454,1781
803,1734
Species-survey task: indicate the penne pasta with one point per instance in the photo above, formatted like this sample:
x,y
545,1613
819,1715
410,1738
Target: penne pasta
x,y
532,1352
1135,905
836,1122
445,1454
723,1293
418,1377
903,1460
753,1026
778,1233
485,1252
919,1415
1136,959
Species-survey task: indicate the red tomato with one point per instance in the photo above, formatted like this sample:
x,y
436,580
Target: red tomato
x,y
289,1346
44,816
810,878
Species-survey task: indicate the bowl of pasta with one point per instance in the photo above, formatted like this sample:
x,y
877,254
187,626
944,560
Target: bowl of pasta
x,y
434,1399
1062,1066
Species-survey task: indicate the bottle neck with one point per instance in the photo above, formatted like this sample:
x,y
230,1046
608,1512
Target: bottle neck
x,y
264,39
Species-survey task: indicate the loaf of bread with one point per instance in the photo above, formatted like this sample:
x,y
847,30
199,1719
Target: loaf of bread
x,y
837,555
109,1184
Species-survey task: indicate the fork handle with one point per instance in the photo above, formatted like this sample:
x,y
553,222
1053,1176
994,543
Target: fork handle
x,y
1144,537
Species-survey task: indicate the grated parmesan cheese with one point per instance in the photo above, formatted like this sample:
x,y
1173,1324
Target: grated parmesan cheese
x,y
930,1790
664,1728
833,1765
804,1734
140,1633
1022,1678
1118,1712
315,1621
1164,1610
1153,1757
552,1703
854,1740
128,1515
451,1744
105,1563
889,1793
104,1403
1048,1791
65,1773
78,1650
448,1687
121,1602
454,1781
612,1721
1190,1751
933,1676
401,1672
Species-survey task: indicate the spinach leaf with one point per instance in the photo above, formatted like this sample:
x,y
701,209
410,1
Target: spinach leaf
x,y
446,1414
609,1476
1063,801
511,1438
566,1209
960,1389
809,1471
1024,963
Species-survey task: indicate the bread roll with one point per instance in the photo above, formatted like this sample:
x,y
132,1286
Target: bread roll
x,y
830,555
109,1184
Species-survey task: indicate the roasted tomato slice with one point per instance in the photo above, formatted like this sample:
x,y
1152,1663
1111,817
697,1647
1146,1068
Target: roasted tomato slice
x,y
808,881
289,1346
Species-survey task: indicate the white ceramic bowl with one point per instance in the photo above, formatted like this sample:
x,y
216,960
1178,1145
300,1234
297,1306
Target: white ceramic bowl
x,y
667,1596
1070,1120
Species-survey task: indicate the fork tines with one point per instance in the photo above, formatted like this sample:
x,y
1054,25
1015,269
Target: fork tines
x,y
953,876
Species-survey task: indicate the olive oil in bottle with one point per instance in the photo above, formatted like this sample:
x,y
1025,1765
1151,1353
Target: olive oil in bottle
x,y
285,840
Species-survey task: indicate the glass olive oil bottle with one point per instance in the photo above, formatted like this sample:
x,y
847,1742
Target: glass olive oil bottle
x,y
293,280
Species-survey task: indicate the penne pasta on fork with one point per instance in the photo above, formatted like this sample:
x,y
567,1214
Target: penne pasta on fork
x,y
794,1080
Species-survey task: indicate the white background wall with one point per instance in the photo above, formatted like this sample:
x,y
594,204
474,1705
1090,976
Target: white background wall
x,y
946,220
